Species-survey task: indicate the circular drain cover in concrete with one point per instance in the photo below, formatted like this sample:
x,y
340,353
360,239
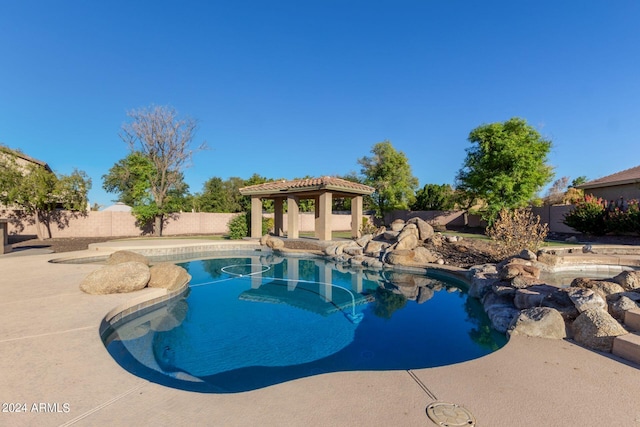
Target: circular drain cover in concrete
x,y
450,415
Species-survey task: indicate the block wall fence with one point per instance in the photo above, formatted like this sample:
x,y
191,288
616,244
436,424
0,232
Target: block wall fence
x,y
122,224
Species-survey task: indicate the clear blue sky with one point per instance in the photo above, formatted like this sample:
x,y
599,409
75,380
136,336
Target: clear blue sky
x,y
292,88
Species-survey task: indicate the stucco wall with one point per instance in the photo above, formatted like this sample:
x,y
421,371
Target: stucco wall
x,y
116,224
628,191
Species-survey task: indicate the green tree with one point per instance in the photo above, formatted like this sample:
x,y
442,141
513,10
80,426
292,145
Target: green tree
x,y
578,181
165,140
389,172
41,195
132,177
434,197
506,166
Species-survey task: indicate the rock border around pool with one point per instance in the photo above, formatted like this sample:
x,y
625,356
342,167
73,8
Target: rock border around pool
x,y
518,302
128,271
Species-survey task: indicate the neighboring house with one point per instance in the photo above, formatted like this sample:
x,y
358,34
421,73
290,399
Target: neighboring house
x,y
620,184
22,159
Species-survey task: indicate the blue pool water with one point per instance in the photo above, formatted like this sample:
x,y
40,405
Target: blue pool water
x,y
250,322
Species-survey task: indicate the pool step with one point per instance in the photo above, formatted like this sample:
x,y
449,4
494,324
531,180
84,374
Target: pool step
x,y
632,319
627,347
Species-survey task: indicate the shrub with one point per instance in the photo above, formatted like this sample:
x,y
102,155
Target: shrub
x,y
239,226
368,227
589,216
517,230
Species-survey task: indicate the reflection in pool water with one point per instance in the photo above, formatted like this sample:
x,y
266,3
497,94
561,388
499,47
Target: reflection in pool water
x,y
252,322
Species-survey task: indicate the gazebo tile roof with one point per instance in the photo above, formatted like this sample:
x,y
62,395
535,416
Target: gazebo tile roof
x,y
325,182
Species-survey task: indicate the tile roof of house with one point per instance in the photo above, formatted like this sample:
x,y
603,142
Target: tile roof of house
x,y
628,176
307,184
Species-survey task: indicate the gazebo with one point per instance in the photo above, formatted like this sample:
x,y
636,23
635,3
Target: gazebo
x,y
322,190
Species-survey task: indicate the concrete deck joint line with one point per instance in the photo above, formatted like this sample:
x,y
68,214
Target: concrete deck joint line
x,y
102,406
84,328
422,385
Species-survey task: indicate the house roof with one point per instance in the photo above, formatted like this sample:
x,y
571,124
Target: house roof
x,y
307,185
628,176
25,157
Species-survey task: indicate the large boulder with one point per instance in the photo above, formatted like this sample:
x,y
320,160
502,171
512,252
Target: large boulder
x,y
409,230
560,301
119,257
425,230
362,241
596,329
397,225
481,284
533,296
374,247
540,322
414,258
515,268
586,299
500,311
628,279
603,287
409,241
168,276
117,278
275,243
621,306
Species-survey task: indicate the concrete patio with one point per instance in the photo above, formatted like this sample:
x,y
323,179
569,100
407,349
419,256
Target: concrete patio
x,y
52,357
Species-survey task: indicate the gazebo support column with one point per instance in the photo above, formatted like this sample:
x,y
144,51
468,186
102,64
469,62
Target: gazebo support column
x,y
293,217
323,216
256,217
356,217
278,216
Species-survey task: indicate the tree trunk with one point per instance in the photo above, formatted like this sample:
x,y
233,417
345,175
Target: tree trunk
x,y
43,228
157,226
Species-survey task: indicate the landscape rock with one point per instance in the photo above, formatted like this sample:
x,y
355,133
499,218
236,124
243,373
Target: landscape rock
x,y
481,284
116,278
533,296
513,269
586,299
542,322
397,225
119,257
362,241
409,241
409,229
619,307
596,329
168,276
275,243
374,248
547,258
414,258
629,280
528,255
603,287
390,235
561,301
425,230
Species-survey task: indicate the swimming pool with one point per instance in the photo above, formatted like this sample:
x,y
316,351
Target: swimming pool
x,y
249,322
